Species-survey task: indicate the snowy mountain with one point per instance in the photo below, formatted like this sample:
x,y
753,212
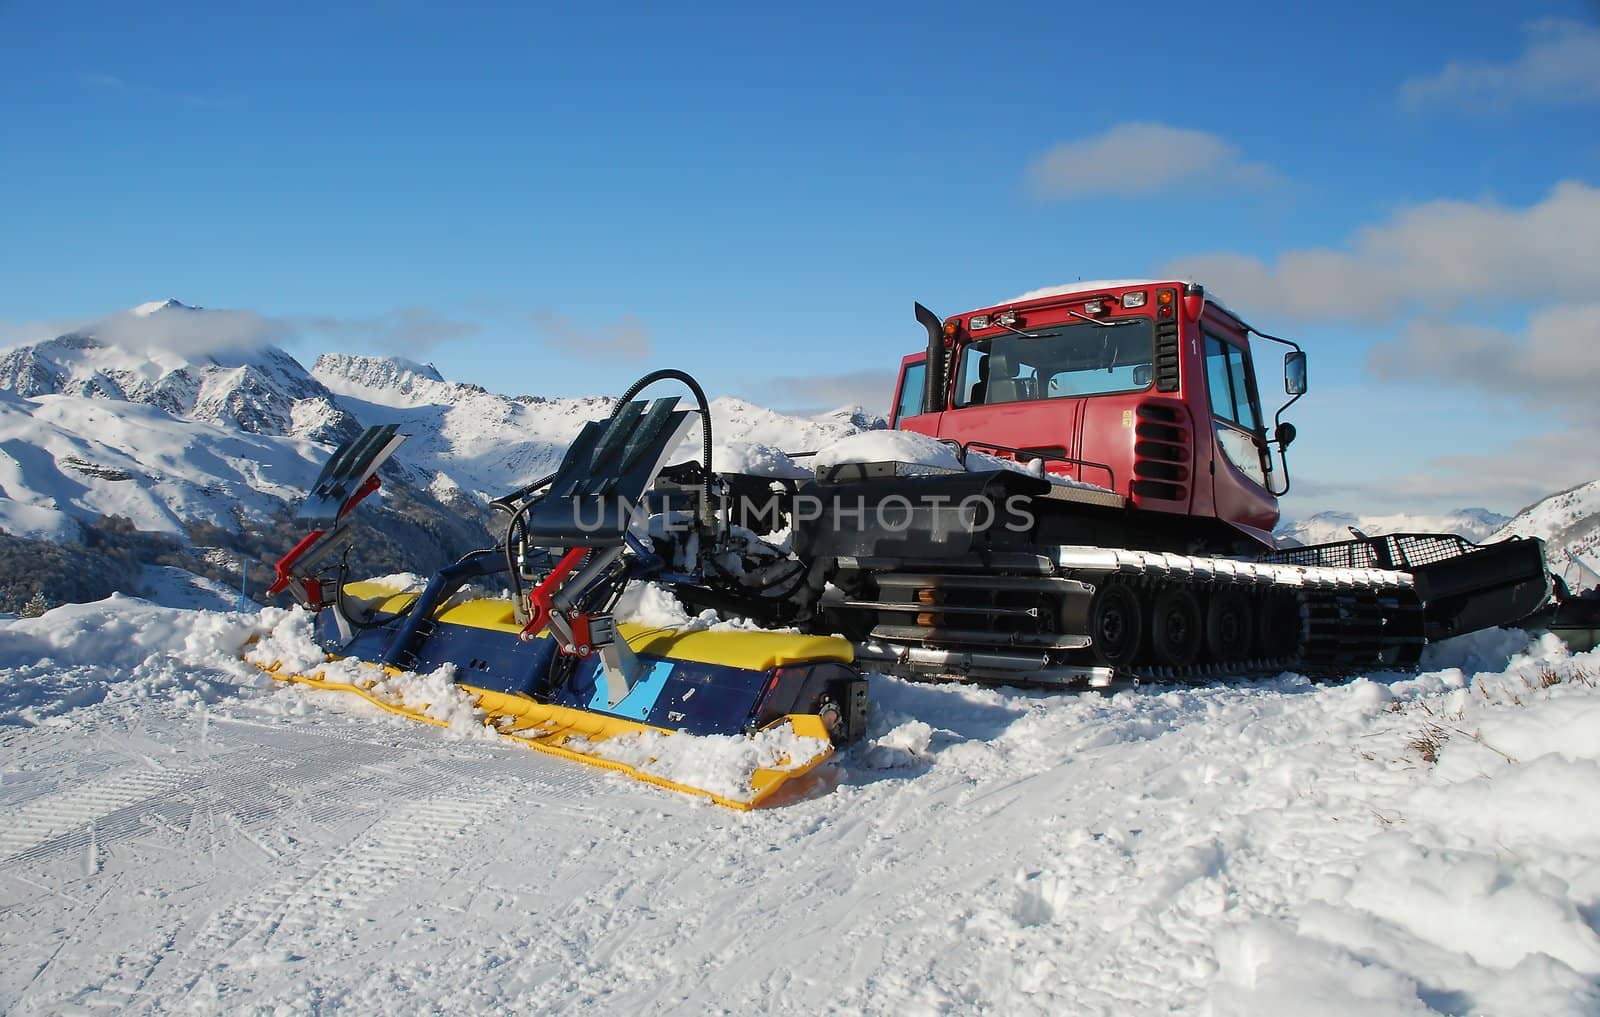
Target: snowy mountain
x,y
1327,527
261,391
466,437
1567,521
228,439
68,460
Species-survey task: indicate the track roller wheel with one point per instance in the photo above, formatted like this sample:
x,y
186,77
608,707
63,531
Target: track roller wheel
x,y
1229,627
1116,624
1176,627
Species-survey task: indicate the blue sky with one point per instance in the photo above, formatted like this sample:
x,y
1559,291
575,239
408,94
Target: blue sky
x,y
556,201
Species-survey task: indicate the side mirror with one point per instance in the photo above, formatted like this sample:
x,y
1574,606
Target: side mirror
x,y
1294,373
1286,432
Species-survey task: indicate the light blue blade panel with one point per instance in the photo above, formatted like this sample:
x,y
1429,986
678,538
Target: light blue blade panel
x,y
640,700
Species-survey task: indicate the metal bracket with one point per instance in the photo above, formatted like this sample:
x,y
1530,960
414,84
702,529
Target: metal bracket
x,y
621,664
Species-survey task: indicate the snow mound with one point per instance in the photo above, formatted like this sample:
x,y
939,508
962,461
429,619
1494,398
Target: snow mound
x,y
118,649
289,648
720,764
757,459
909,447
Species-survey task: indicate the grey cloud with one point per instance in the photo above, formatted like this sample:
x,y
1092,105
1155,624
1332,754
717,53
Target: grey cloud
x,y
1438,255
1552,365
1136,159
1505,479
1559,63
872,390
625,339
403,330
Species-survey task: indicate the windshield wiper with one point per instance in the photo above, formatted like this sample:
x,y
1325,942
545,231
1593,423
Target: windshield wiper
x,y
1105,322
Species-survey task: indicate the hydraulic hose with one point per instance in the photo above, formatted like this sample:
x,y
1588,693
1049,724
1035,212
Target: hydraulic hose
x,y
700,398
516,522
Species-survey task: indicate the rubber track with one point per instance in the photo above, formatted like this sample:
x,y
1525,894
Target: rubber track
x,y
1350,620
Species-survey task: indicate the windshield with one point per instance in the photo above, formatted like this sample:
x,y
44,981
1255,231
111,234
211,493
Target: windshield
x,y
1082,359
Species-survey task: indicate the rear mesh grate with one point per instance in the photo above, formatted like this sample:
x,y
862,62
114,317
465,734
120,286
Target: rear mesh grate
x,y
1396,551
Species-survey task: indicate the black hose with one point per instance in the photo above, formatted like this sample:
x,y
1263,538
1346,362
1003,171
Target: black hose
x,y
503,504
700,397
338,601
518,514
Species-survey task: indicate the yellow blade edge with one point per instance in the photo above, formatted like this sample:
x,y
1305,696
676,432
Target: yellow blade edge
x,y
555,725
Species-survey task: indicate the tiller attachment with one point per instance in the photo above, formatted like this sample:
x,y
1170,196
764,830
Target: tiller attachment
x,y
550,665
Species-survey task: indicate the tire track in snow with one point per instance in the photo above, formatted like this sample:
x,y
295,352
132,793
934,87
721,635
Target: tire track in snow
x,y
320,900
50,816
300,795
254,783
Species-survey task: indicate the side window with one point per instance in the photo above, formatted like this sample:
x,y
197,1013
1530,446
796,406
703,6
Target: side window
x,y
911,385
1241,390
971,387
1218,378
1227,378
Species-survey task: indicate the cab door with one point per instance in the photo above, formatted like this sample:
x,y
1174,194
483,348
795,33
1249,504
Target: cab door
x,y
1240,460
909,391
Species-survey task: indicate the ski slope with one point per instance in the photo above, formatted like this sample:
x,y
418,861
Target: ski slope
x,y
178,834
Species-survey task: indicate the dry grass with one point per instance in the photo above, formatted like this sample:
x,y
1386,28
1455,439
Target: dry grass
x,y
1435,731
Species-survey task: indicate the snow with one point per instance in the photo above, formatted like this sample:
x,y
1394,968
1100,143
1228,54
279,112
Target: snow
x,y
66,458
906,447
1089,286
1102,285
720,764
757,460
181,834
170,304
170,586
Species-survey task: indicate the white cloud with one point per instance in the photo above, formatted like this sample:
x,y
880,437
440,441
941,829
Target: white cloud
x,y
190,332
1135,159
625,339
1439,255
1559,62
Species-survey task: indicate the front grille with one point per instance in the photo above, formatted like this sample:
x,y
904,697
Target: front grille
x,y
1162,452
